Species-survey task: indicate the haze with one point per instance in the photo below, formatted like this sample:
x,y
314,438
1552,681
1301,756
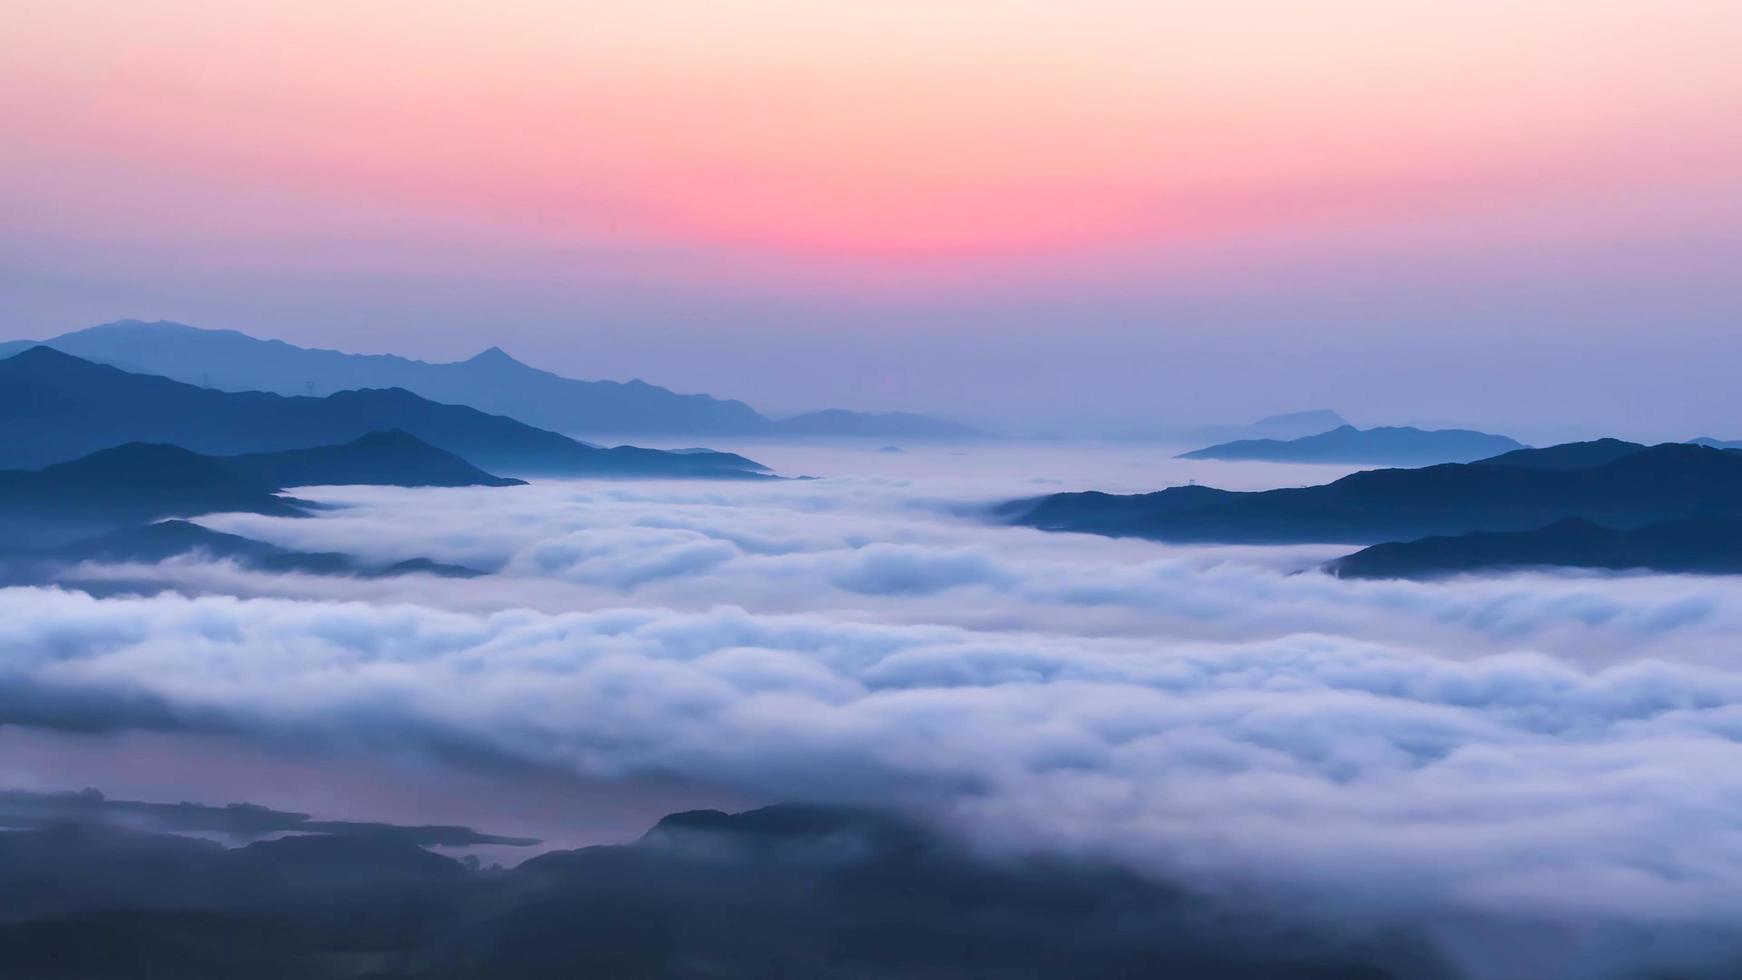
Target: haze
x,y
1022,562
1406,211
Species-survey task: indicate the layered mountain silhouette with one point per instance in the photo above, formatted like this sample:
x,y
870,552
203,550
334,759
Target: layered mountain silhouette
x,y
54,407
391,458
1702,546
492,382
1717,443
1521,491
163,540
110,496
787,891
1290,425
244,822
125,485
1385,445
1567,456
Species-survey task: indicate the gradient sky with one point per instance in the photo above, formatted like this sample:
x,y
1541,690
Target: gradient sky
x,y
1517,214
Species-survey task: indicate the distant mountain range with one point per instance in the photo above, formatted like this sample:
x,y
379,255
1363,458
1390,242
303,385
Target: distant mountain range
x,y
163,540
108,507
21,809
1567,456
91,890
1689,545
1291,425
392,458
492,382
1386,445
55,407
139,482
125,485
1605,483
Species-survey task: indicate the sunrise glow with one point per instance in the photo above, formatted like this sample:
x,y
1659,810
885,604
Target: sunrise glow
x,y
915,130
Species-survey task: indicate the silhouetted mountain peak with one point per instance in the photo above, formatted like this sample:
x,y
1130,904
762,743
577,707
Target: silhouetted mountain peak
x,y
491,381
390,395
165,539
1399,445
132,326
1315,416
55,406
1680,545
43,357
779,894
386,457
1682,451
1569,456
1643,485
126,484
153,464
692,820
494,357
1716,443
1289,425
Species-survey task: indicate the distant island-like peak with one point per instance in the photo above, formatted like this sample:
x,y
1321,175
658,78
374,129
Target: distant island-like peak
x,y
1382,446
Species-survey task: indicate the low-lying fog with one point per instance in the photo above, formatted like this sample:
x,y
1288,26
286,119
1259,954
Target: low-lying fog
x,y
1519,752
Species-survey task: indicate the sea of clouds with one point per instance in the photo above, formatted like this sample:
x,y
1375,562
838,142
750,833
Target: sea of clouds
x,y
1541,770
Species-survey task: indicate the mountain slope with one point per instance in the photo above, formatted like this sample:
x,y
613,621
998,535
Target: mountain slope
x,y
1567,456
1651,485
388,458
124,485
151,543
1291,425
787,891
1716,443
54,406
137,482
1687,545
492,382
1387,445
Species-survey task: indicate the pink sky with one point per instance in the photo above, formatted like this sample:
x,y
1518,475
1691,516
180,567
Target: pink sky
x,y
838,153
896,130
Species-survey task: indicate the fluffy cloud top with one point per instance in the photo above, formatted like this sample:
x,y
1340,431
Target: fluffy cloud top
x,y
1558,755
1510,784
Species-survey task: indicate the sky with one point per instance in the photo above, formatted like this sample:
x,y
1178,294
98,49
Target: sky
x,y
1044,215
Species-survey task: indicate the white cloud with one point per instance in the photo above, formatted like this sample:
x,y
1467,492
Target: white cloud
x,y
1512,785
1555,751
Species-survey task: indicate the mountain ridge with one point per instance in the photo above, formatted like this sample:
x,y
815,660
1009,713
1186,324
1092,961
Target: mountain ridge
x,y
127,484
55,406
1686,545
1286,425
784,891
1656,483
162,540
1382,445
491,380
139,482
387,457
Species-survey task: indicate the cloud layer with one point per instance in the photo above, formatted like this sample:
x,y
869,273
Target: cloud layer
x,y
1553,755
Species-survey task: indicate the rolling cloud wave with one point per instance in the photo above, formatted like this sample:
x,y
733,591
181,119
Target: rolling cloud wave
x,y
1531,751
